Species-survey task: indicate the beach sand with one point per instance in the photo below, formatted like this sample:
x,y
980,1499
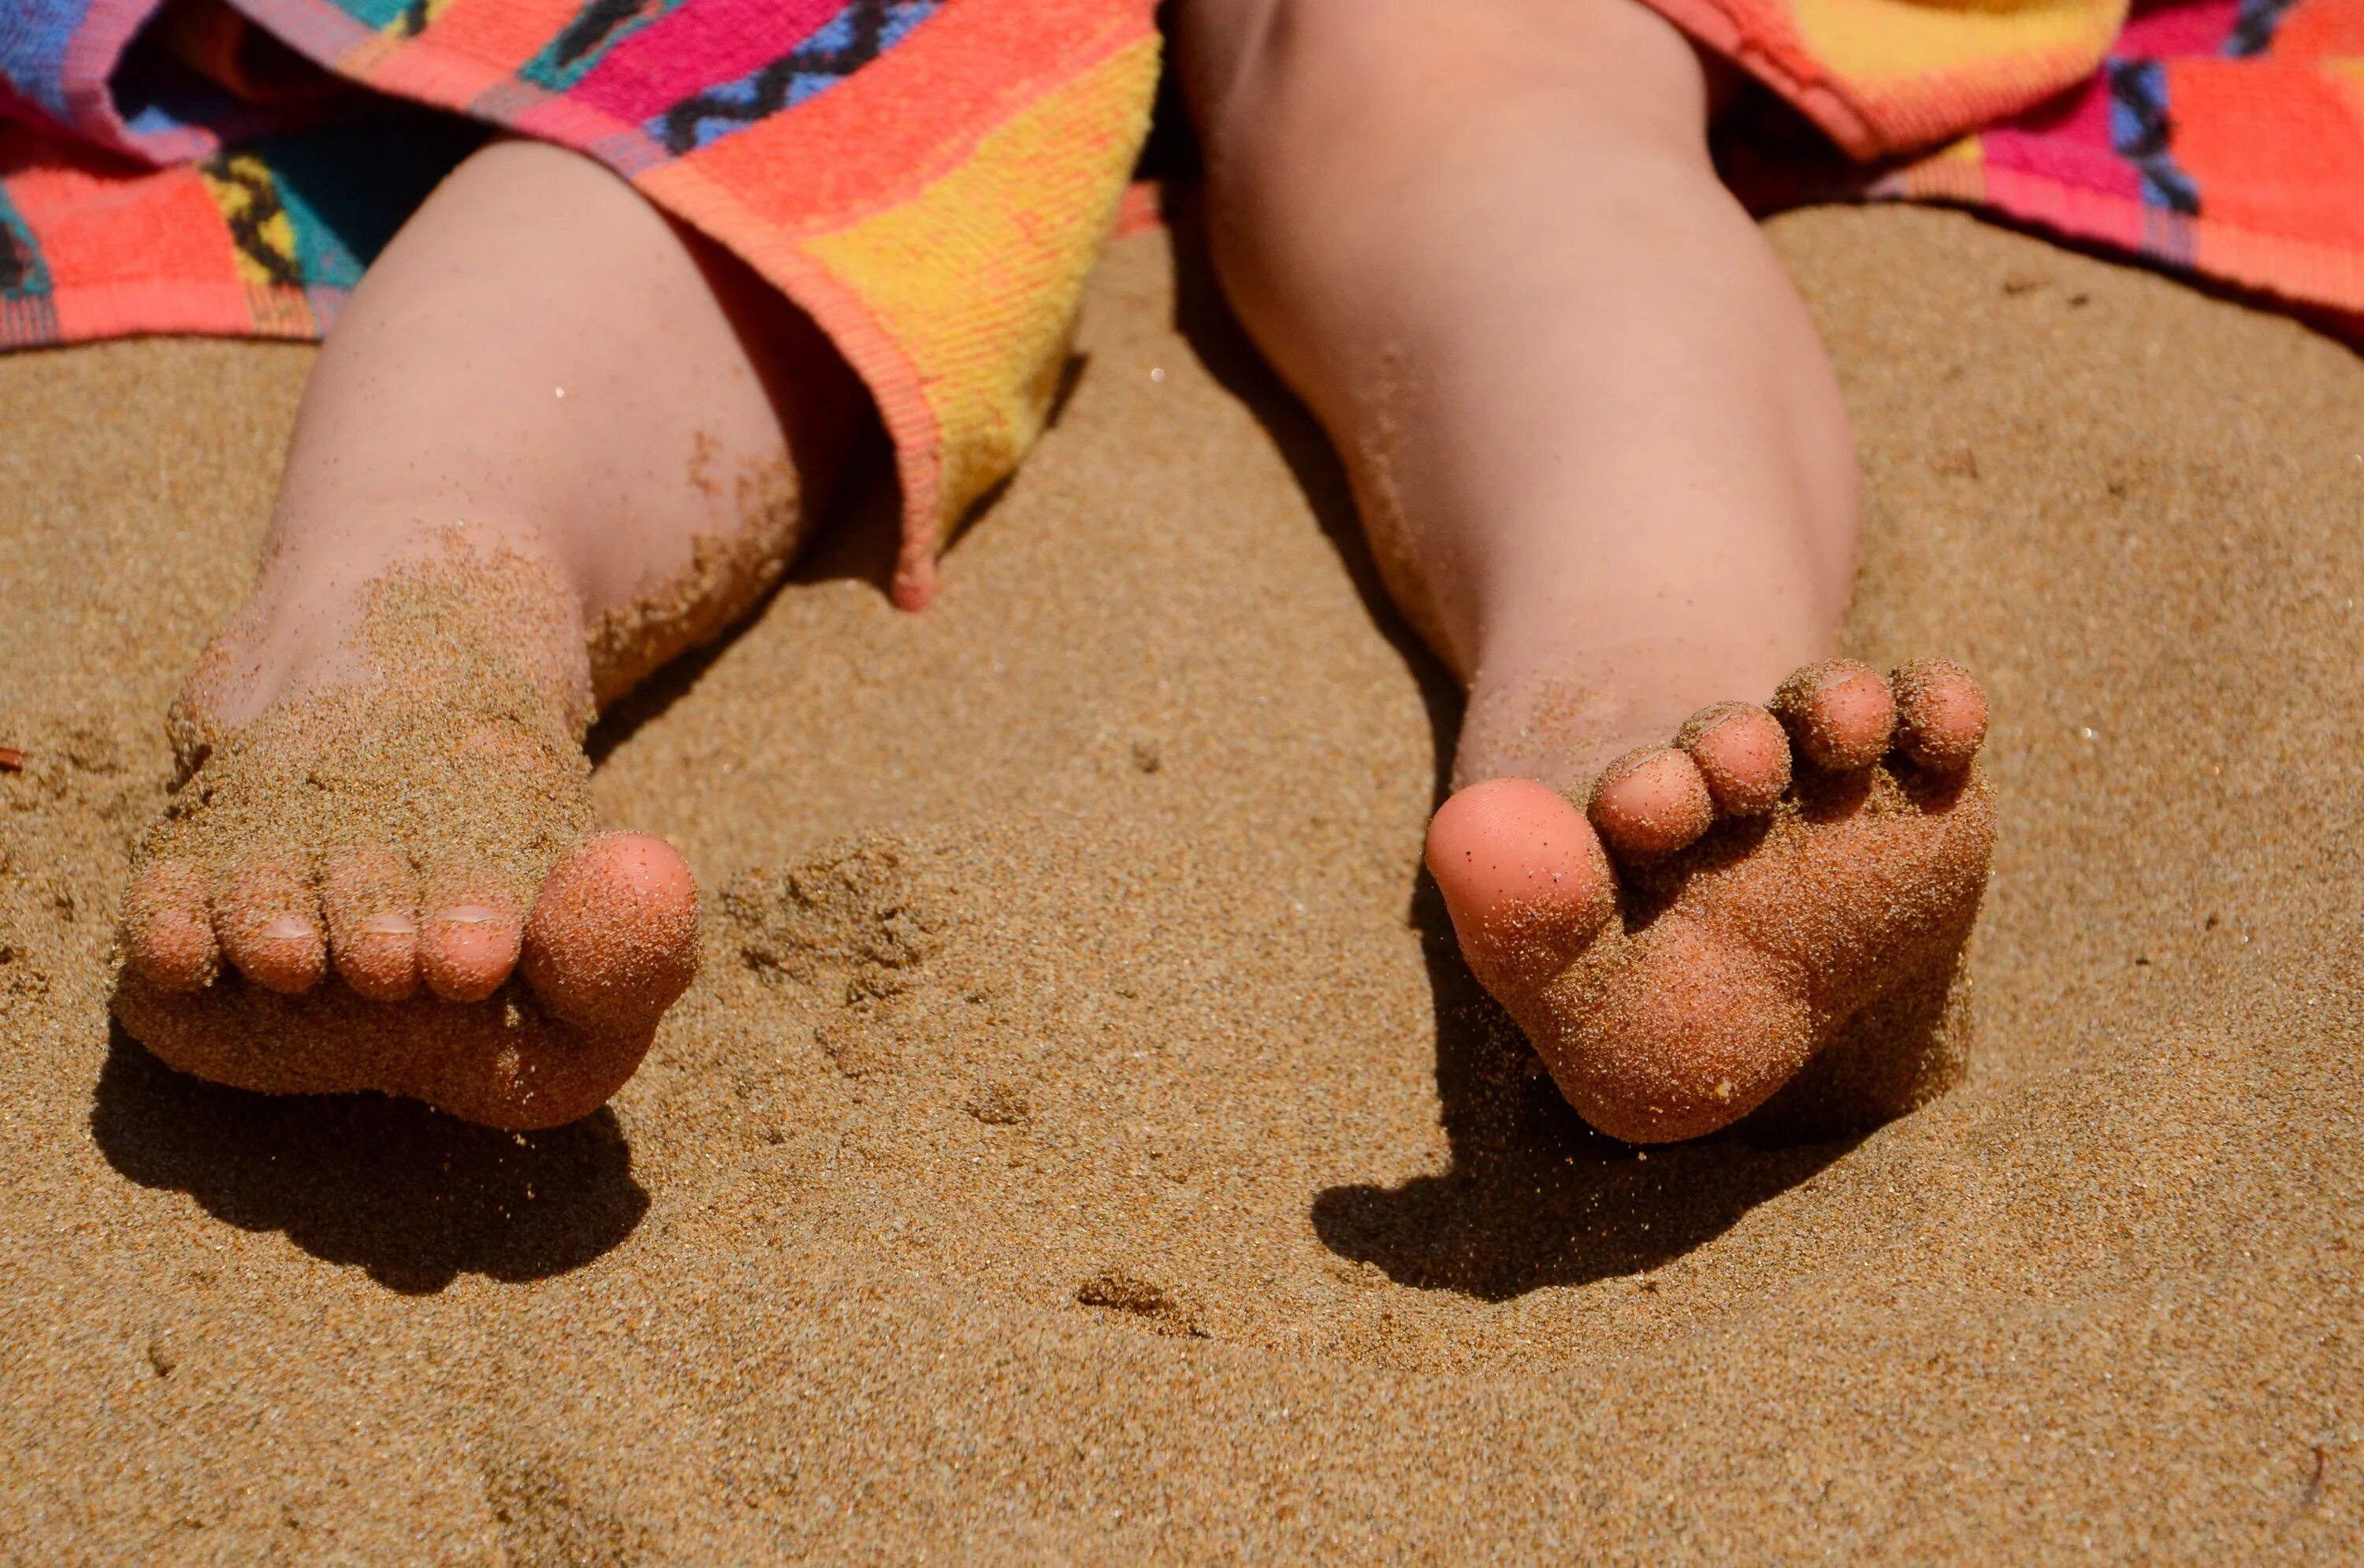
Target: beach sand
x,y
1083,1143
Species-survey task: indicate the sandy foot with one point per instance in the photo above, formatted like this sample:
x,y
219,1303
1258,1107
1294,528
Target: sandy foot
x,y
1780,886
379,870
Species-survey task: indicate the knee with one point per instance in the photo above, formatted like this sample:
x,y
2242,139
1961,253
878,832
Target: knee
x,y
1264,77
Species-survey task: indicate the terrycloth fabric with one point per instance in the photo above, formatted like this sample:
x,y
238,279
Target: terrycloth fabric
x,y
2220,137
930,179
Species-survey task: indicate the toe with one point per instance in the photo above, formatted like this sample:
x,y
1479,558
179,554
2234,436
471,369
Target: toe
x,y
1524,877
371,902
1742,753
1840,714
1652,802
1941,714
468,936
612,942
167,936
268,918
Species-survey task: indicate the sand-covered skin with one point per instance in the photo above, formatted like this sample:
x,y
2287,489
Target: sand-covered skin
x,y
1835,922
1100,1154
1759,916
452,752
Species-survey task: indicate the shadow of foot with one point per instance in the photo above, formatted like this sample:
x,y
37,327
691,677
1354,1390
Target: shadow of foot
x,y
1534,1197
412,1195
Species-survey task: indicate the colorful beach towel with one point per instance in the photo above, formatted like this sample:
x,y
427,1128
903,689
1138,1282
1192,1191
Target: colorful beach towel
x,y
930,180
2224,138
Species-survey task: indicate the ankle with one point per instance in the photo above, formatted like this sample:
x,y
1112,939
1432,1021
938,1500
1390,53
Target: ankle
x,y
362,604
1557,725
1542,710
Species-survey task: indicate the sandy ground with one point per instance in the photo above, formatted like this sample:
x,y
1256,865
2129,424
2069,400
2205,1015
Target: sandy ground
x,y
1083,1143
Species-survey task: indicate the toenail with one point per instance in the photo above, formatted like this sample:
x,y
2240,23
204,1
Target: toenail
x,y
470,915
288,926
390,925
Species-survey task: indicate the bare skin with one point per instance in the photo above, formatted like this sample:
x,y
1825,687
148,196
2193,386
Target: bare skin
x,y
1598,449
552,443
1601,457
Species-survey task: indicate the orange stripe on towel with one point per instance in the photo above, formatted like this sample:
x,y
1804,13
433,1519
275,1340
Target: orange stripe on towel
x,y
911,115
99,231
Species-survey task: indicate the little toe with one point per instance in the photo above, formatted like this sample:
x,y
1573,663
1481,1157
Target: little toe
x,y
268,918
1742,754
167,935
468,938
1524,877
1941,714
1840,714
371,902
1652,802
612,941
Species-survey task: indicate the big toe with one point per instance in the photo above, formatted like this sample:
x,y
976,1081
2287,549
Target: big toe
x,y
1941,714
612,942
1524,877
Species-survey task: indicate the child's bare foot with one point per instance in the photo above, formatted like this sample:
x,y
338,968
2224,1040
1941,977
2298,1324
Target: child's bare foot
x,y
552,443
1605,469
1768,882
376,826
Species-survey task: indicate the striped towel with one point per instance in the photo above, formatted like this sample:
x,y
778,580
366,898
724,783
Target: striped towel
x,y
930,180
2222,138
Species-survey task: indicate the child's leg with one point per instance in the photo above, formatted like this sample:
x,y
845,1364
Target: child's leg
x,y
1601,457
551,443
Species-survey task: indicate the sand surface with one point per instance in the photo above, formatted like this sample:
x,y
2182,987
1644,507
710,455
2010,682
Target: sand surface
x,y
1083,1144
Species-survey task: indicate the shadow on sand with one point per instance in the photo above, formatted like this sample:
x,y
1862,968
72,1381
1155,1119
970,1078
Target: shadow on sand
x,y
413,1196
1534,1197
